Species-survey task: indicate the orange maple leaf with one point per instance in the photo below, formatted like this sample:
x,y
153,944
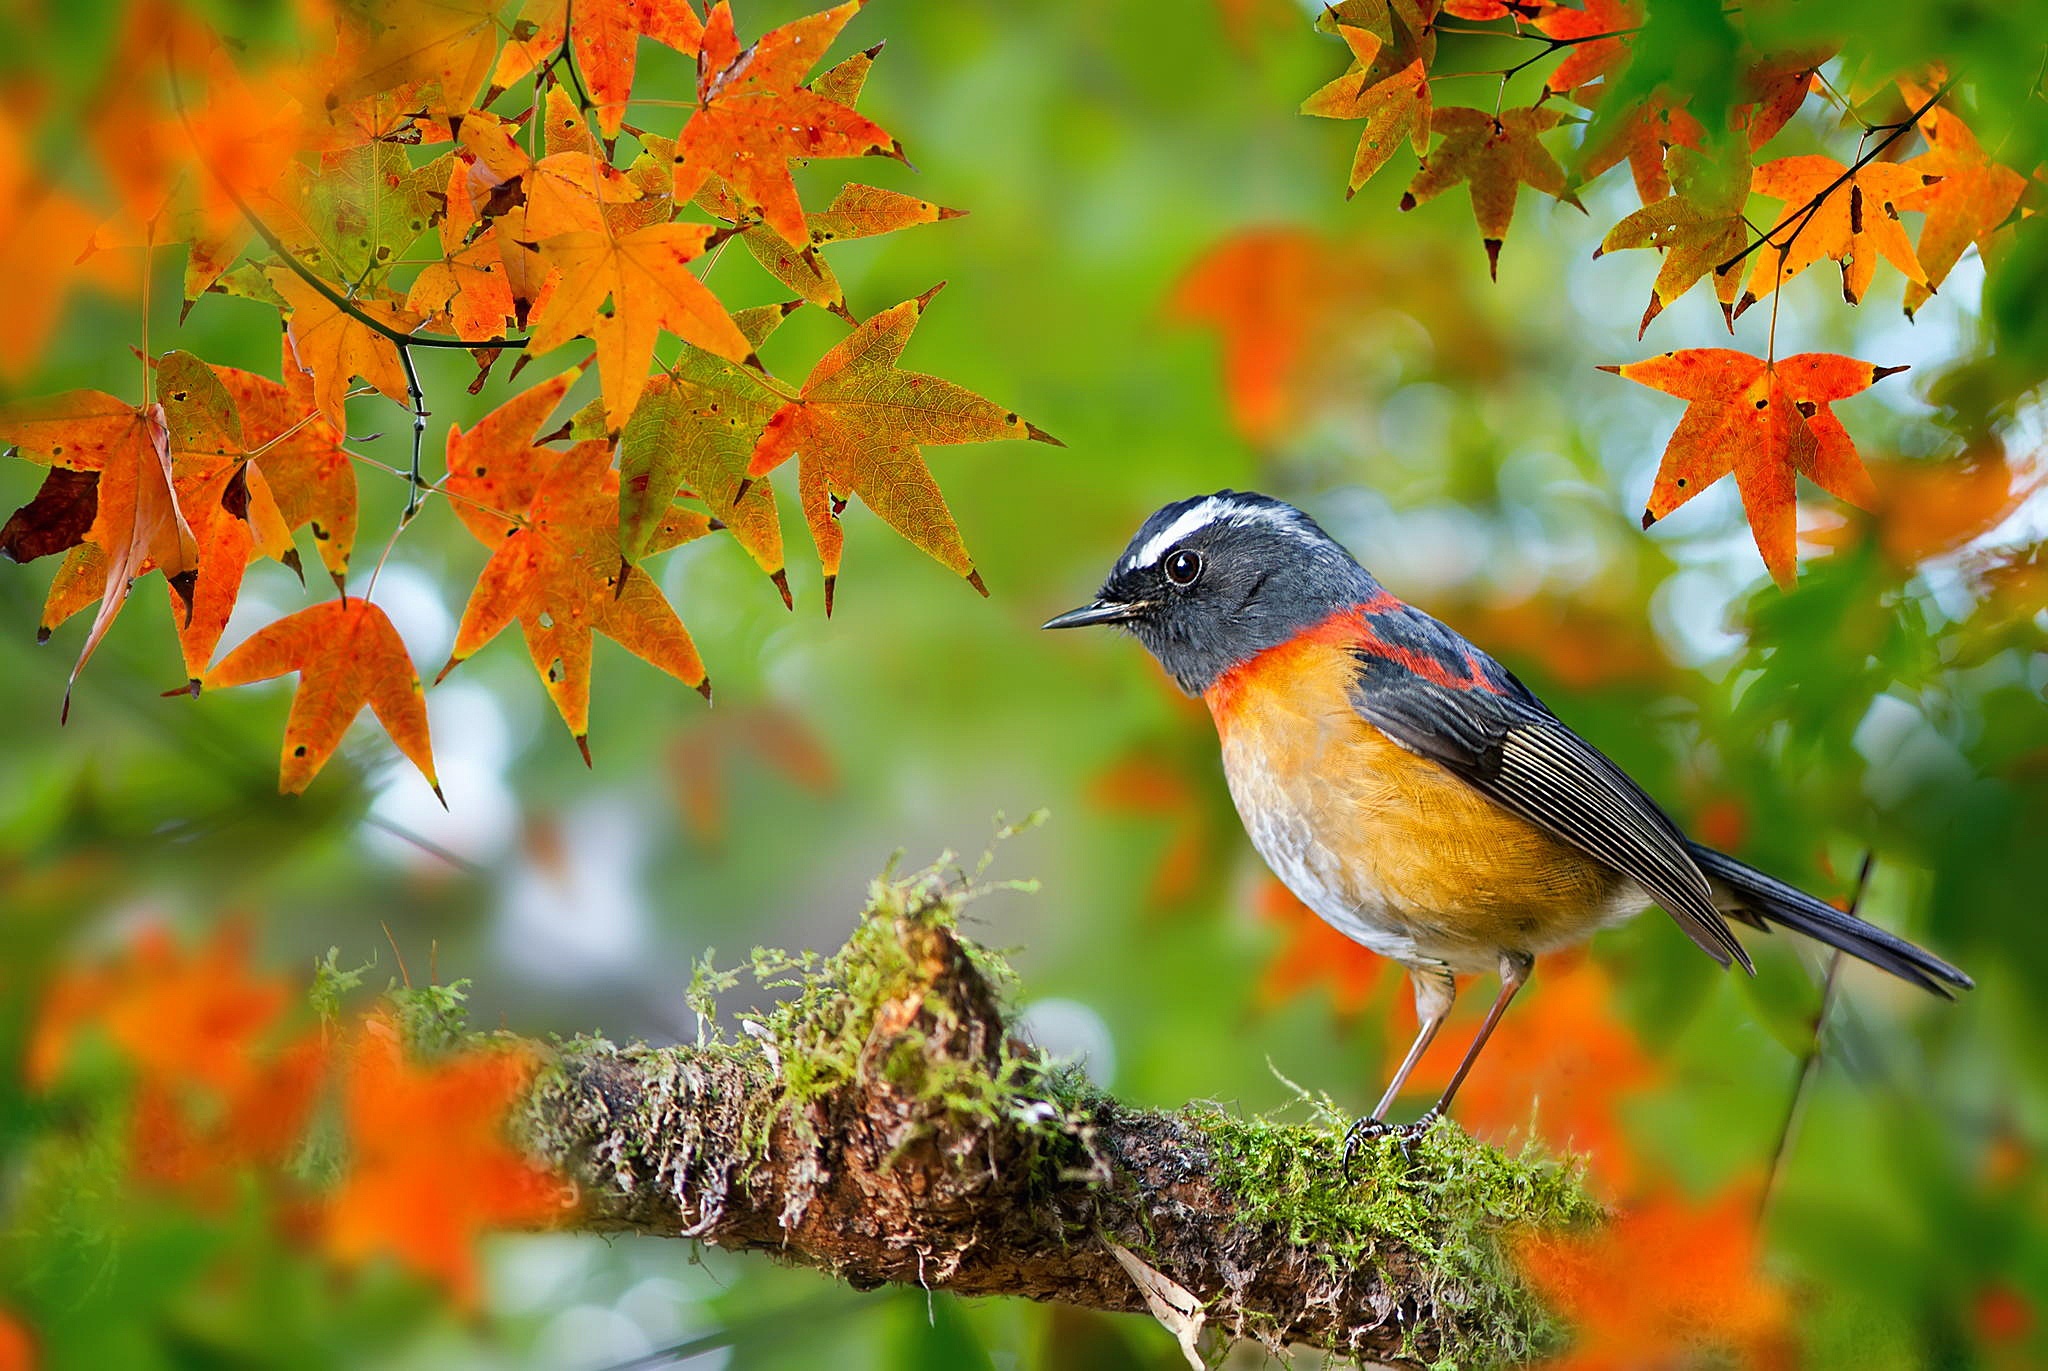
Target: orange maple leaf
x,y
347,655
1313,953
605,37
561,575
1644,136
1855,223
42,226
1394,108
1973,197
753,116
299,452
430,1169
1663,1283
1763,420
332,345
1776,86
137,522
1492,158
646,275
861,426
1597,35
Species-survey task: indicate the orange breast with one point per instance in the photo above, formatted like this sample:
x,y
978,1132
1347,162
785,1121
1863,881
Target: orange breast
x,y
1390,847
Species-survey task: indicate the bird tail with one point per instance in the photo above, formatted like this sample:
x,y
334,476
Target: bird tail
x,y
1767,900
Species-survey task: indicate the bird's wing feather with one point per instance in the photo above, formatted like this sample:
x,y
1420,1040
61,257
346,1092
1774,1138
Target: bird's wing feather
x,y
1477,721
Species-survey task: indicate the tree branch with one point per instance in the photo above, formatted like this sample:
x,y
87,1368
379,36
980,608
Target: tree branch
x,y
883,1124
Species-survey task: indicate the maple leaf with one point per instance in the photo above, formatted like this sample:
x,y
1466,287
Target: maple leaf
x,y
696,429
357,217
1663,1282
347,656
1763,421
1777,85
299,452
861,426
561,575
333,345
566,191
495,468
1855,222
605,37
753,116
1406,30
1590,55
1492,157
1394,108
1642,136
857,211
430,1168
1312,954
136,519
1698,228
1973,196
646,275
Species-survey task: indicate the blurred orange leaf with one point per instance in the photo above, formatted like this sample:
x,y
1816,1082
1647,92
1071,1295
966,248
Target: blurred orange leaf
x,y
1314,954
347,656
430,1170
1596,34
1664,1282
1568,1049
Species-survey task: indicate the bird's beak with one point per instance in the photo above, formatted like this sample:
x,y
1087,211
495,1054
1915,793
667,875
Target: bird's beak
x,y
1101,612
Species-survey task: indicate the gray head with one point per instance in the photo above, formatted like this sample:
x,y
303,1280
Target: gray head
x,y
1212,581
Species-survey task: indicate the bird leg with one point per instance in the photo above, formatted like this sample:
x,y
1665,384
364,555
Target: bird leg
x,y
1514,973
1435,991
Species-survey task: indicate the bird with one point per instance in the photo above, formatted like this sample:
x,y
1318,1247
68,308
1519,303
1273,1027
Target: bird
x,y
1410,790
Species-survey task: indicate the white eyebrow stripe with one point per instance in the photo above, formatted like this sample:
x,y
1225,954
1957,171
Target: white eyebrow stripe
x,y
1215,510
1199,516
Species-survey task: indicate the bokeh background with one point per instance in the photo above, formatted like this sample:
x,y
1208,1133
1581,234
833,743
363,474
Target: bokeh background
x,y
1453,431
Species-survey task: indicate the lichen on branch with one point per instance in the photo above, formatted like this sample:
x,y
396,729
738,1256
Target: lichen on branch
x,y
884,1122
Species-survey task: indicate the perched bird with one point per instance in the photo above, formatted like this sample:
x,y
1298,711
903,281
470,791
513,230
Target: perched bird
x,y
1408,788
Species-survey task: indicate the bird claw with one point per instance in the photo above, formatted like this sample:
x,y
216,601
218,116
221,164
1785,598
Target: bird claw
x,y
1404,1133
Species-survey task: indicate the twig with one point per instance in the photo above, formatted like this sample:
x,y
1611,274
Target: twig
x,y
1809,1062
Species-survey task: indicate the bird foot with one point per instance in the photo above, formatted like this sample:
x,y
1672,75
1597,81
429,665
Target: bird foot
x,y
1406,1133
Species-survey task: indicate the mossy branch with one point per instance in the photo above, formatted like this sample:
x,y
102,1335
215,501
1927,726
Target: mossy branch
x,y
884,1124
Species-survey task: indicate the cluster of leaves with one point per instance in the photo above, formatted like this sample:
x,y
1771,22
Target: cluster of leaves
x,y
359,1135
548,220
1764,419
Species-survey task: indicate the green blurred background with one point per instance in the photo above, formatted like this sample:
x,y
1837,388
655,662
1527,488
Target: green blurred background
x,y
1460,441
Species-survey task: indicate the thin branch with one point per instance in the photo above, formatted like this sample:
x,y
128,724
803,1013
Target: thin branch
x,y
1809,1062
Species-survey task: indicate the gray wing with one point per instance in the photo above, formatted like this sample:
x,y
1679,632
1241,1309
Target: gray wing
x,y
1506,744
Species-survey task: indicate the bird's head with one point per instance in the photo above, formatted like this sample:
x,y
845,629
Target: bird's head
x,y
1212,581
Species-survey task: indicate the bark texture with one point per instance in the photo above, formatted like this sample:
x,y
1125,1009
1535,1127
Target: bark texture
x,y
883,1124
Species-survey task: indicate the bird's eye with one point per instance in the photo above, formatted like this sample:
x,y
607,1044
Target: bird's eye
x,y
1183,566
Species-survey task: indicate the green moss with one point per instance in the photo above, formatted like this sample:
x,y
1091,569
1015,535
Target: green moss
x,y
821,1032
1444,1202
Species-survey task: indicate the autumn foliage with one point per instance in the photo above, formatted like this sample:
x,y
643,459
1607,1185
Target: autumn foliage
x,y
422,177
